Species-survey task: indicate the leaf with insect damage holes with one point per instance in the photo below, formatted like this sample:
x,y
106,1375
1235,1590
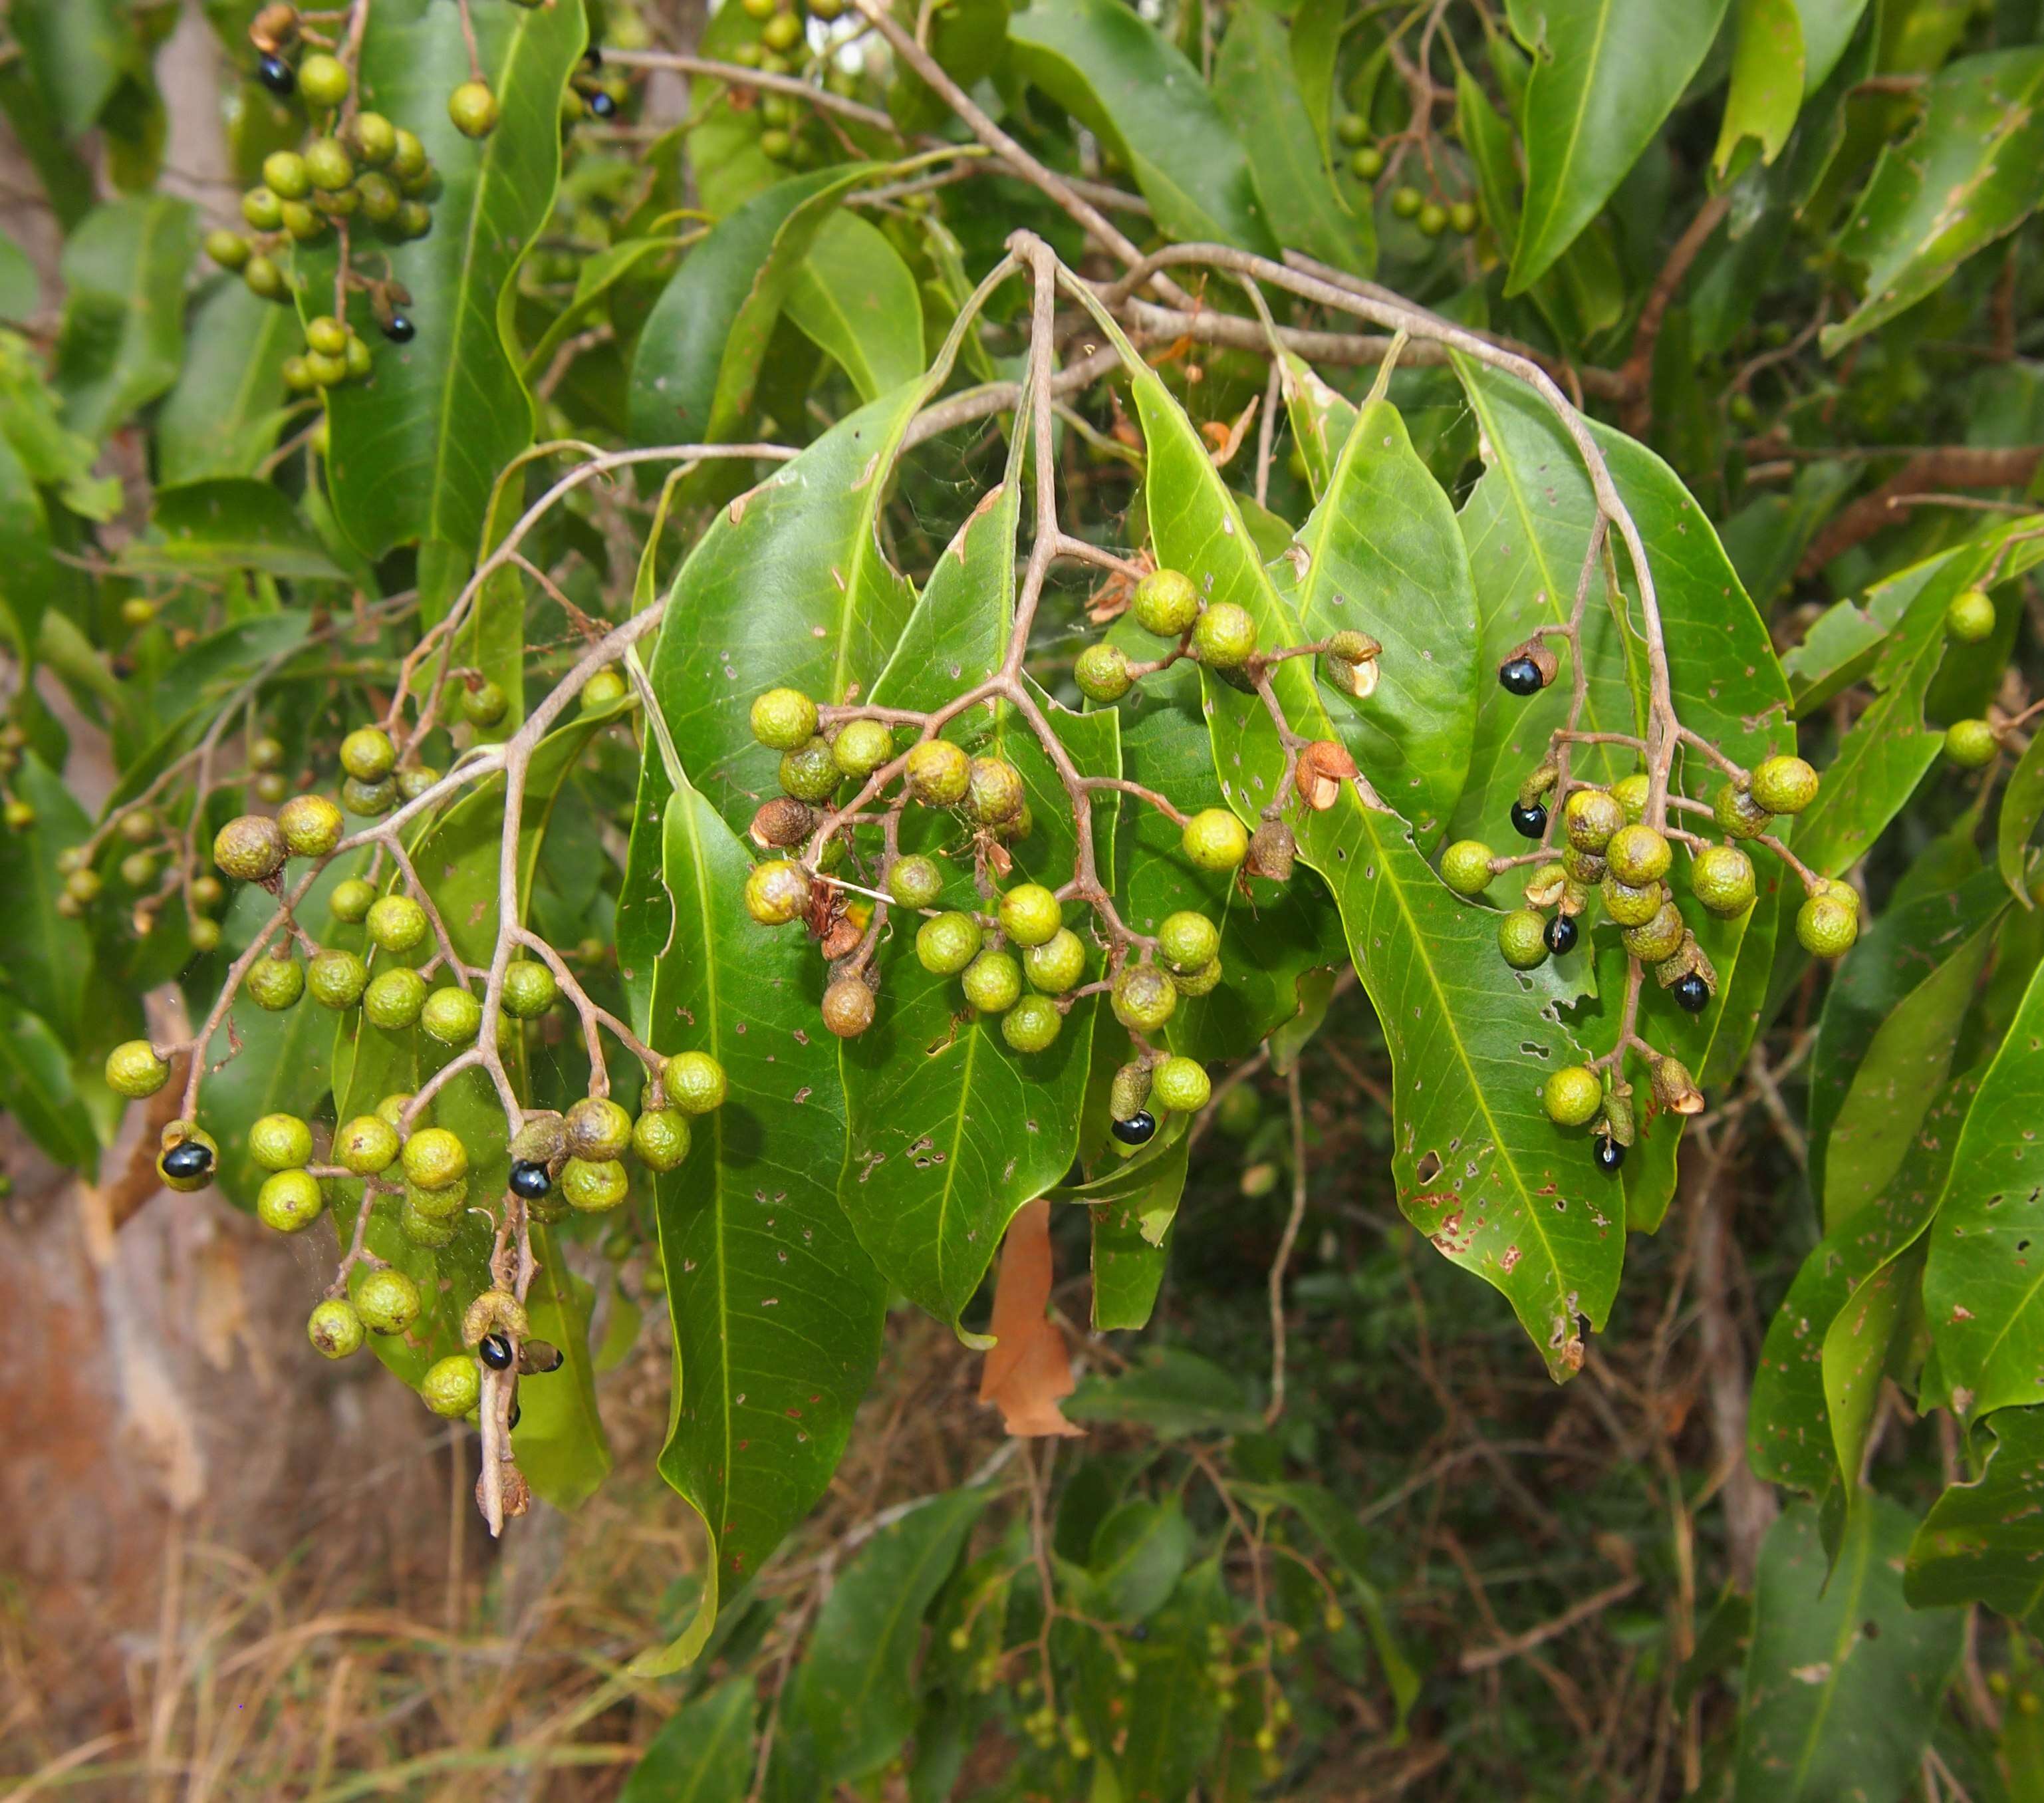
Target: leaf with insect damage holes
x,y
1983,1542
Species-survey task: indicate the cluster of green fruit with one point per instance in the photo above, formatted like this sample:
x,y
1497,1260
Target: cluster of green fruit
x,y
778,50
1366,163
1969,619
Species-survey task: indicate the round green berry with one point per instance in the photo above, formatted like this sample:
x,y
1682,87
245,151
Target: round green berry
x,y
1592,818
422,1229
1031,915
452,1016
1406,201
1225,638
435,1159
1970,618
861,747
1661,937
1465,867
1144,998
1433,219
451,1386
337,979
1204,980
1738,815
484,705
138,869
249,849
397,924
291,1201
334,1329
1522,936
1722,878
387,1300
1166,602
1181,1084
274,983
694,1082
134,1070
1367,164
1573,1095
1033,1023
777,892
660,1137
311,824
596,1129
1215,839
1827,927
1102,673
266,281
473,108
280,1142
392,1000
1630,793
783,719
351,900
229,249
994,791
915,880
1187,941
263,209
992,981
939,774
945,944
848,1006
1630,906
1971,744
443,1204
285,176
529,989
374,139
323,80
204,934
368,755
329,164
1056,965
1639,855
1784,785
594,1186
809,772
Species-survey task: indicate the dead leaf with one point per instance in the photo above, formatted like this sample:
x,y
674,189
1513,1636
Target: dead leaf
x,y
1029,1371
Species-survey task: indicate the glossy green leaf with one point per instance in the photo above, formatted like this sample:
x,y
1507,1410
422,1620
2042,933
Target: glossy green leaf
x,y
417,448
1983,1542
559,1440
1170,1393
122,342
855,298
1860,1351
36,1089
597,277
1138,1553
1606,74
1767,82
1972,172
966,37
223,416
1258,87
1104,64
1321,419
1842,1679
1983,1291
49,956
76,51
68,179
216,527
20,288
1828,27
2021,807
1132,1209
703,1753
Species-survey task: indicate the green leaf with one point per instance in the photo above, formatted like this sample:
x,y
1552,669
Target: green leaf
x,y
596,277
20,288
76,51
2021,807
1842,1679
1114,73
1133,1208
1972,172
559,1440
722,140
223,417
1981,1292
216,527
1172,1721
68,178
122,341
1259,91
49,957
1138,1553
1767,83
29,576
36,1089
699,357
1173,1393
1887,1036
855,299
777,1310
1827,27
1984,1541
703,1753
417,448
852,1703
1606,74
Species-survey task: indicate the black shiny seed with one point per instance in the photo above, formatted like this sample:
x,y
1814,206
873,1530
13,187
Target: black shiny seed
x,y
495,1351
529,1180
1138,1129
188,1158
536,1358
602,105
1608,1154
514,1411
1693,995
1520,675
400,330
1561,934
1529,823
275,74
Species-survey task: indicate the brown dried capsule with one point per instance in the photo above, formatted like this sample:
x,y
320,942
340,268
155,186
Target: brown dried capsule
x,y
274,29
1324,767
1675,1089
782,822
848,1007
1351,664
1272,851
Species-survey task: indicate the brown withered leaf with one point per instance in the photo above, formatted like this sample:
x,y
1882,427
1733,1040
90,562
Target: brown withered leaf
x,y
1029,1372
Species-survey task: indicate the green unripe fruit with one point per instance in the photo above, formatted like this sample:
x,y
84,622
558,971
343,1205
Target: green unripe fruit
x,y
848,1007
915,880
1406,201
265,280
280,1142
660,1137
311,824
1181,1084
451,1386
1630,793
1214,839
274,983
1722,878
392,1000
334,1329
351,900
1661,937
1352,129
380,201
368,798
1970,619
594,1187
1144,998
1827,927
291,1201
1032,1024
994,791
861,747
1522,936
397,924
20,816
452,1016
777,892
809,772
373,138
228,249
415,779
992,981
1433,219
473,108
939,774
694,1082
529,989
1462,218
285,176
1465,867
1204,980
323,80
263,208
392,1107
301,222
1784,785
945,944
1639,855
1187,941
138,826
1130,1091
1102,673
1592,819
427,1230
1166,602
781,33
329,167
1971,744
387,1300
1738,815
368,755
134,1070
596,1129
1573,1095
138,869
435,1159
366,1145
1631,906
82,886
1031,915
1367,164
271,787
337,979
1057,964
443,1204
204,934
1225,638
249,849
407,161
414,220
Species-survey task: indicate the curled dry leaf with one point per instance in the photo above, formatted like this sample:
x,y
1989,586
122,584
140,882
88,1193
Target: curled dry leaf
x,y
1029,1372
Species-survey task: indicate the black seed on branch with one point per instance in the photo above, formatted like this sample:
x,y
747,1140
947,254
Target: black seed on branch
x,y
1521,676
495,1351
275,74
1561,935
1693,995
1137,1130
189,1158
602,105
529,1180
1608,1154
400,330
1529,823
514,1411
